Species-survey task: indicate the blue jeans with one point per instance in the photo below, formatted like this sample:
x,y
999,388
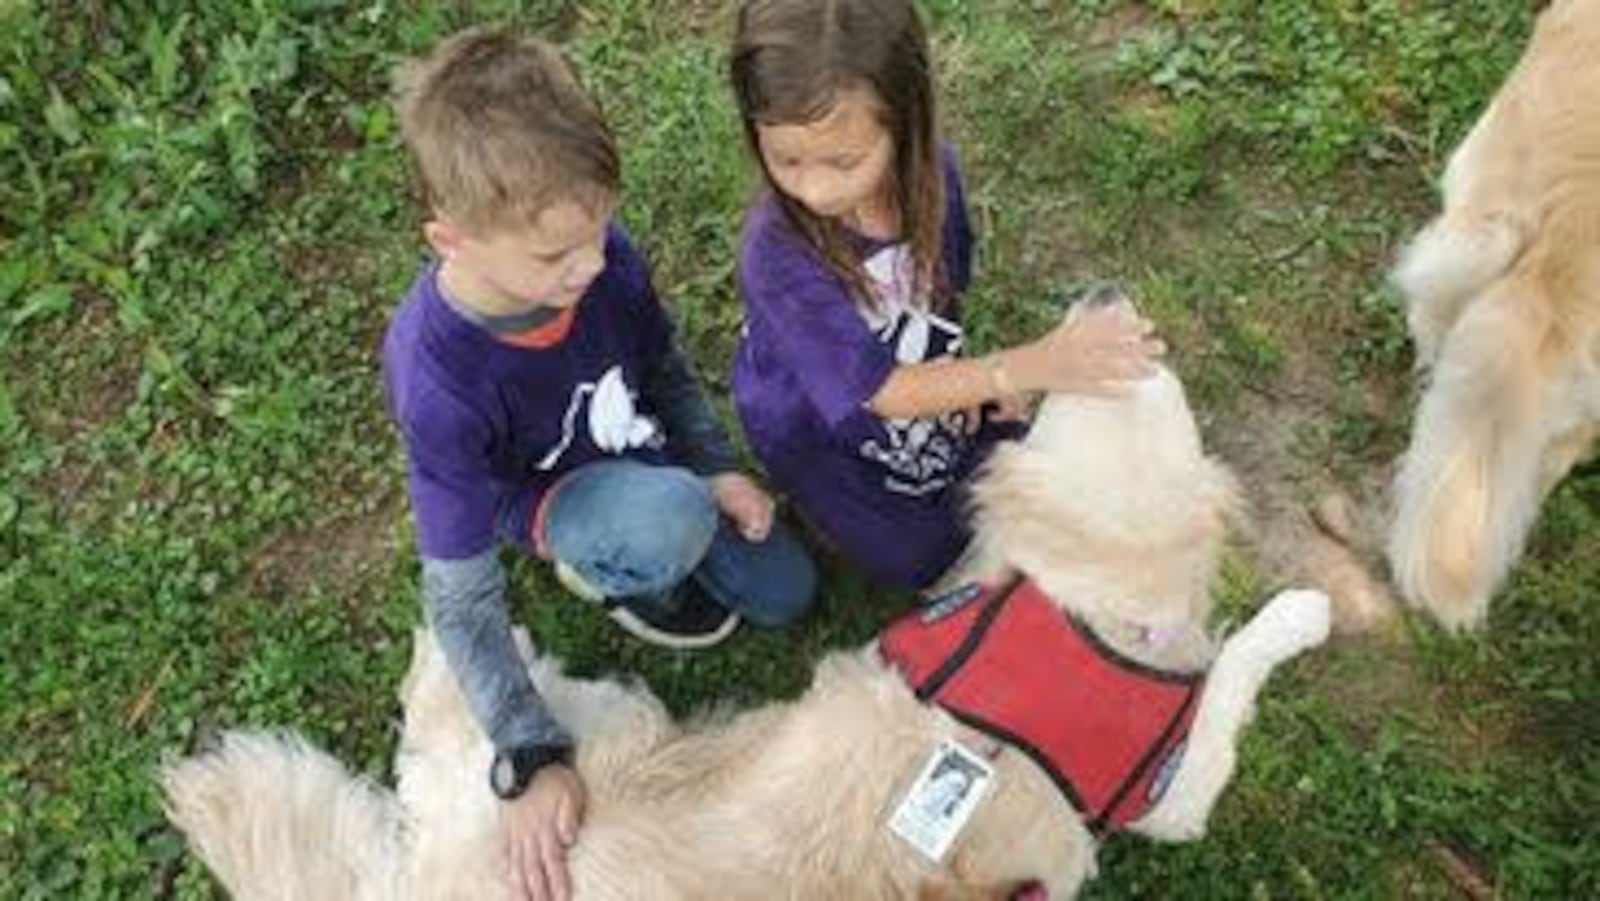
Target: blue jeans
x,y
631,529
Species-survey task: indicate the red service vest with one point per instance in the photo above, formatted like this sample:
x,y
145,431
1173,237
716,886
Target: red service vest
x,y
1109,731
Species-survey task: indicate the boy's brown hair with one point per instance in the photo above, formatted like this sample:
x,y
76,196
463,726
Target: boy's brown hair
x,y
500,129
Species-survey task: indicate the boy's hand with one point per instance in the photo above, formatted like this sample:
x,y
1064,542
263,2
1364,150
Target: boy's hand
x,y
542,825
743,502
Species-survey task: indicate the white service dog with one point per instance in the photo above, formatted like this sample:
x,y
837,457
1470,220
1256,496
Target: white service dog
x,y
1109,510
1503,303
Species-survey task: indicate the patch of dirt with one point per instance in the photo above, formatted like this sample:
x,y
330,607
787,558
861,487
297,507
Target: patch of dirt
x,y
1096,48
92,393
1371,676
1318,503
81,396
703,17
1108,32
1056,245
1365,681
1286,493
331,554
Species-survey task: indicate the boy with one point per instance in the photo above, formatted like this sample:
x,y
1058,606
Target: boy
x,y
544,402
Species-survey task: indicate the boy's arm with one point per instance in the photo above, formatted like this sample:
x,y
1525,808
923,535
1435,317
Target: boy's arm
x,y
465,602
694,435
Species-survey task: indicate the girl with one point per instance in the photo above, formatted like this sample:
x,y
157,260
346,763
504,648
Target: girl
x,y
849,378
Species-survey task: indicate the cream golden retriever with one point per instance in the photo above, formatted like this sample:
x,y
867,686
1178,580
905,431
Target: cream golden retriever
x,y
791,800
1503,304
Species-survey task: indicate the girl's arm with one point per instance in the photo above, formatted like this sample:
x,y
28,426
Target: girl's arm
x,y
1089,352
917,390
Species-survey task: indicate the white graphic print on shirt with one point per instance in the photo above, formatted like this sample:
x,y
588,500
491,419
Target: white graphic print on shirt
x,y
614,422
919,454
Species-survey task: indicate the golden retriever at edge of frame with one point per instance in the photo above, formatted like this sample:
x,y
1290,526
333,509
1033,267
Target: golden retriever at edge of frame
x,y
1502,294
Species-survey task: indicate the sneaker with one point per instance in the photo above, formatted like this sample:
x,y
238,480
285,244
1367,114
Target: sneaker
x,y
687,618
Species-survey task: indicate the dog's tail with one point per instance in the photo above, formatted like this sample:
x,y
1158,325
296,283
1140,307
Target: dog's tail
x,y
274,817
1447,263
1468,489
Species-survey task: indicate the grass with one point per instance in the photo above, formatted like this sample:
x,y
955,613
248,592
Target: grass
x,y
205,220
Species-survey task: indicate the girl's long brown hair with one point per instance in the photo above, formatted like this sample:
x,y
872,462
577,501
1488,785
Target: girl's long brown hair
x,y
792,58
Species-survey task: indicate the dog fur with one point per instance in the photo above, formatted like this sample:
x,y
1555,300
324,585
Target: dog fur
x,y
790,800
1502,296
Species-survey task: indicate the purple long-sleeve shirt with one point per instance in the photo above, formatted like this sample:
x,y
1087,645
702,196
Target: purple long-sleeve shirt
x,y
491,422
489,425
886,492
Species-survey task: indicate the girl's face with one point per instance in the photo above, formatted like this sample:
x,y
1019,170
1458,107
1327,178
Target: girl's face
x,y
837,166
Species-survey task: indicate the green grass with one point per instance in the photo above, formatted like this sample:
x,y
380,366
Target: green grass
x,y
205,220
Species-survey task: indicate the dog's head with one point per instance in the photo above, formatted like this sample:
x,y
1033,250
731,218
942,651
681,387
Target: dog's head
x,y
1111,504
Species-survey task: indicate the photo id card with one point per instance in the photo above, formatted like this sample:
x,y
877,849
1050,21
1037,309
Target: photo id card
x,y
941,800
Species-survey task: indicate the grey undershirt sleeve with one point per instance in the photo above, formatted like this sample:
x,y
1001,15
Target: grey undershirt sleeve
x,y
694,436
465,604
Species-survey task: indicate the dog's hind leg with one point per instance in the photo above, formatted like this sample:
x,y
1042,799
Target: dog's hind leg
x,y
1468,490
275,818
1290,623
1472,243
1444,266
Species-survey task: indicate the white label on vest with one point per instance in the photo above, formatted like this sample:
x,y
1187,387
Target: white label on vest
x,y
942,799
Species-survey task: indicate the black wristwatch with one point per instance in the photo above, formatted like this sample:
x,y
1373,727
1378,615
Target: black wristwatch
x,y
513,769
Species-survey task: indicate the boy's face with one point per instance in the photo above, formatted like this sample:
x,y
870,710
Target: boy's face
x,y
837,166
549,264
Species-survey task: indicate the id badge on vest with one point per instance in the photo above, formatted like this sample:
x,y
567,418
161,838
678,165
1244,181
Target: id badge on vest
x,y
952,784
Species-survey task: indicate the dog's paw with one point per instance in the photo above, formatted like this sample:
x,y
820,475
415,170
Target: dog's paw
x,y
1297,619
1457,613
1182,815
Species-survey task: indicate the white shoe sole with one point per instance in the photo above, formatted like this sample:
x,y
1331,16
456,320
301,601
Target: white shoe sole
x,y
636,625
639,628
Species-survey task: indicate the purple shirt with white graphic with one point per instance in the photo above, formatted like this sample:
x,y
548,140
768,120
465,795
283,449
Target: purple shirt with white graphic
x,y
886,492
489,425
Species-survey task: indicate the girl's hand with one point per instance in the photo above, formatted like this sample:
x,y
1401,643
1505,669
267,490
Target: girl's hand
x,y
1093,351
744,503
